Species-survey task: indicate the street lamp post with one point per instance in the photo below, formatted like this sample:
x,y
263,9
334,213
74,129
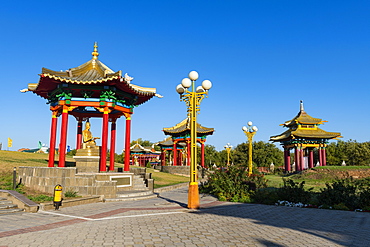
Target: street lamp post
x,y
228,148
250,132
192,99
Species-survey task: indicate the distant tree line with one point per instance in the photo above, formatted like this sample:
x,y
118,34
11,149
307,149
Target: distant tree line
x,y
353,153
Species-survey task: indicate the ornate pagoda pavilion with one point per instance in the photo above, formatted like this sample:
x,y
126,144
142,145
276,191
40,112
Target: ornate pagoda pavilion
x,y
304,136
167,147
180,133
142,155
90,90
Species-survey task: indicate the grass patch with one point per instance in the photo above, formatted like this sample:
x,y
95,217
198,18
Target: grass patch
x,y
162,179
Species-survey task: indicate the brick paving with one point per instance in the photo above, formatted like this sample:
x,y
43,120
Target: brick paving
x,y
165,221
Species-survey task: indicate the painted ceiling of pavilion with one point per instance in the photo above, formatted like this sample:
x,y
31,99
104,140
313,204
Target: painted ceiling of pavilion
x,y
311,131
183,128
93,76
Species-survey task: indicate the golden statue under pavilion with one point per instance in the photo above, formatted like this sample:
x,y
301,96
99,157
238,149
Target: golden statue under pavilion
x,y
88,139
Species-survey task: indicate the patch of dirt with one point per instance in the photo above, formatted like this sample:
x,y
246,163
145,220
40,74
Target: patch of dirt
x,y
336,174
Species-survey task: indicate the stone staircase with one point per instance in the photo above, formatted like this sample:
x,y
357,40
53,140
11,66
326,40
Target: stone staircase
x,y
140,191
7,207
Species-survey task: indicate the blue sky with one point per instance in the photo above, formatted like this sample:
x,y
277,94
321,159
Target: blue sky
x,y
262,57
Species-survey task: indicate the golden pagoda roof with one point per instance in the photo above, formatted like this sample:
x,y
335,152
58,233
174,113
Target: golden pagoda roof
x,y
303,118
303,126
184,127
168,142
306,134
93,72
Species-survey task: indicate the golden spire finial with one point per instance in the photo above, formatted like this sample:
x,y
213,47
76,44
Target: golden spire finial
x,y
95,53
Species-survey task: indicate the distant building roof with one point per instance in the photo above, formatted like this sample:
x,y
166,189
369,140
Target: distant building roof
x,y
303,126
183,128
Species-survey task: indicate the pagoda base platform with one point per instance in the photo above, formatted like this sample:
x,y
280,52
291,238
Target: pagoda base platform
x,y
105,185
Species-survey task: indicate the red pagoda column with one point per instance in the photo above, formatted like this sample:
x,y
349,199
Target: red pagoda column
x,y
189,157
320,155
287,159
174,151
296,158
310,159
179,158
324,155
302,158
202,154
103,153
53,134
63,137
79,134
112,144
163,157
127,143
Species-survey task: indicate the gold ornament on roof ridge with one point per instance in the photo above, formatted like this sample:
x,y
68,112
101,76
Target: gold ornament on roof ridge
x,y
95,53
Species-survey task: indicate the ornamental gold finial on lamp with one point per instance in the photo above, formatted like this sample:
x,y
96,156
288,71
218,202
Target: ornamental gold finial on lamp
x,y
95,53
250,131
192,99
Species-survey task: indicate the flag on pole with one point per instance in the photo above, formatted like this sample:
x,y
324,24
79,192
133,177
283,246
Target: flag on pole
x,y
10,143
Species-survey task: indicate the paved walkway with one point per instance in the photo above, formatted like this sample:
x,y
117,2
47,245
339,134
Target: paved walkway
x,y
165,221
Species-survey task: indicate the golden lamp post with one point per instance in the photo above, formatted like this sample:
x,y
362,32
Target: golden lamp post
x,y
228,148
192,99
250,132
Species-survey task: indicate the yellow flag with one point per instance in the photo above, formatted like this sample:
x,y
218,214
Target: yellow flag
x,y
10,143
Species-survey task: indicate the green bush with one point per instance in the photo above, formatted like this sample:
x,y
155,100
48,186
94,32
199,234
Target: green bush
x,y
267,196
233,184
40,198
353,194
294,192
71,193
340,191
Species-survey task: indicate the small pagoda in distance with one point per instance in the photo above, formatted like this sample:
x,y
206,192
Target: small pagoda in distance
x,y
180,135
304,136
140,155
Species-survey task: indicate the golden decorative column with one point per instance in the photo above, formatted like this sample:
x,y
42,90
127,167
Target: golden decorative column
x,y
192,99
250,131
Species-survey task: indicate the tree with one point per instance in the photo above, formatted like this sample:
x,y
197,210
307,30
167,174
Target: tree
x,y
352,152
211,156
263,154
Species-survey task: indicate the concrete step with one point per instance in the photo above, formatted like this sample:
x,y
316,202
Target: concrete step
x,y
10,210
134,198
7,207
134,193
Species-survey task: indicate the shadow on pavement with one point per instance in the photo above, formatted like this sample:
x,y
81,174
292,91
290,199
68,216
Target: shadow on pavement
x,y
340,227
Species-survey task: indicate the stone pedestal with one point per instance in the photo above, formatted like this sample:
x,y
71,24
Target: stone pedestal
x,y
87,163
87,159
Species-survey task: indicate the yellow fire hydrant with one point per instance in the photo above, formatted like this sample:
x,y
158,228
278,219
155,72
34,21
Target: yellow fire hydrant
x,y
58,191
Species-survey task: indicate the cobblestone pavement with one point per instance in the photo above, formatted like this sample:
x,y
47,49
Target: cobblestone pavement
x,y
165,221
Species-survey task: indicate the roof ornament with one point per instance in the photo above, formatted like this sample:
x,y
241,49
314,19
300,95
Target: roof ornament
x,y
128,78
301,106
95,53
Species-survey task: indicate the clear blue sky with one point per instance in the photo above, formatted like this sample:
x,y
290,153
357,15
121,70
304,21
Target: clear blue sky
x,y
262,57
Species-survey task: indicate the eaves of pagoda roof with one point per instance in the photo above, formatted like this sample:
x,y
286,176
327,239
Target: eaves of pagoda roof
x,y
90,74
305,134
183,128
303,118
168,142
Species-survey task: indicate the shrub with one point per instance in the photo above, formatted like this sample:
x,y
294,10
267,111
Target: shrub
x,y
71,193
233,184
294,192
340,191
267,196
